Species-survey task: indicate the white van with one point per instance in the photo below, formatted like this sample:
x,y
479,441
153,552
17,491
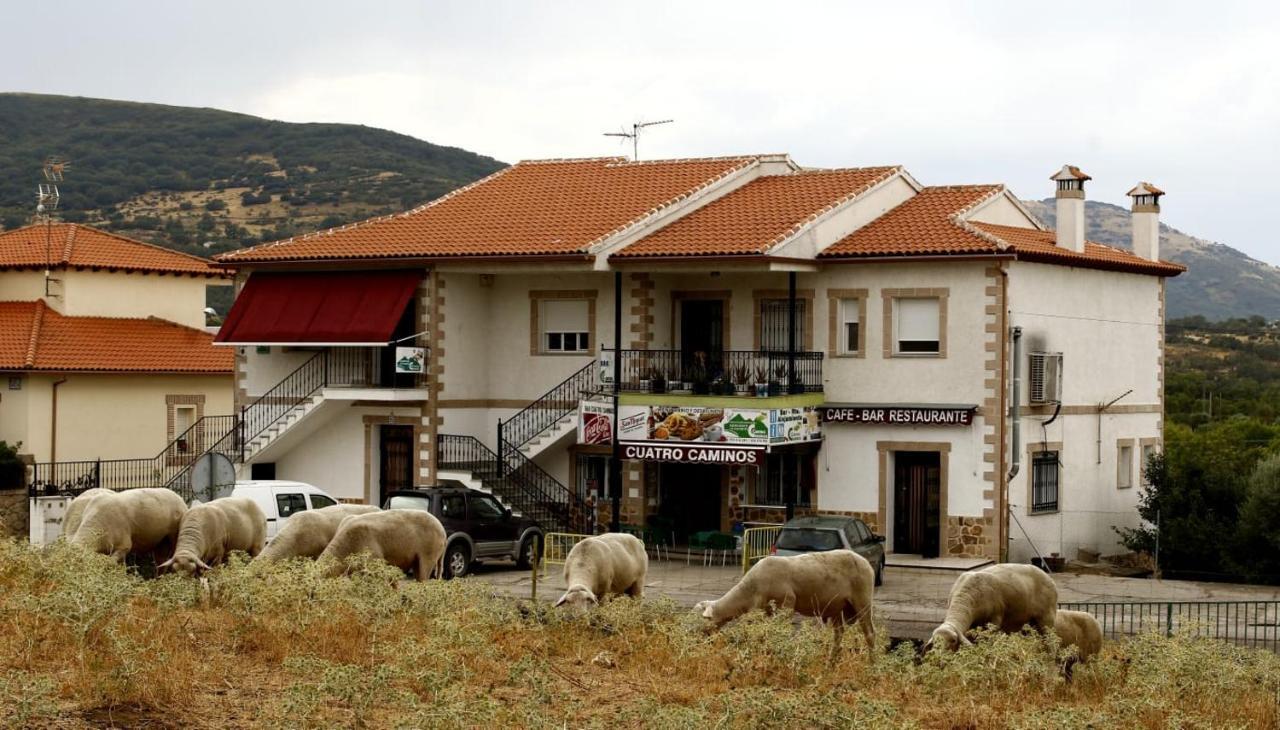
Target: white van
x,y
280,499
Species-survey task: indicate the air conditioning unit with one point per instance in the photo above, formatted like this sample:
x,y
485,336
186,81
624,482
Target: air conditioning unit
x,y
1046,377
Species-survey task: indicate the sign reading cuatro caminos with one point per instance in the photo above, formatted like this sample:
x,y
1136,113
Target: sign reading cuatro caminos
x,y
899,415
694,453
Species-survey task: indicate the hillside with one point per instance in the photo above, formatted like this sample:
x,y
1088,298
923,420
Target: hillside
x,y
204,180
1220,283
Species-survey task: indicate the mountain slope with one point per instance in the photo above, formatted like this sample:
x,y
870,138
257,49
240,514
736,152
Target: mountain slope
x,y
186,177
1220,282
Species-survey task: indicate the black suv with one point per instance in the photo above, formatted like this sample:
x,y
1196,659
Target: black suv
x,y
478,526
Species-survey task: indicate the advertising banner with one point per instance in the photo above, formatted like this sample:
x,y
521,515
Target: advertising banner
x,y
595,422
734,426
409,360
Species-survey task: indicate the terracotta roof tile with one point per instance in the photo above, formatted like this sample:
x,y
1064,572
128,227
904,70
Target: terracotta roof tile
x,y
35,337
70,245
928,224
545,207
1033,245
758,216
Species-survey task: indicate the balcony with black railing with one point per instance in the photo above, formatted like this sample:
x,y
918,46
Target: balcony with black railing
x,y
749,373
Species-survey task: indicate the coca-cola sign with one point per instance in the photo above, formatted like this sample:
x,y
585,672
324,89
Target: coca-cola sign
x,y
595,423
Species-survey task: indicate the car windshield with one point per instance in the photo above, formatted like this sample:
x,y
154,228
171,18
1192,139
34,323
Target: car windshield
x,y
808,539
404,501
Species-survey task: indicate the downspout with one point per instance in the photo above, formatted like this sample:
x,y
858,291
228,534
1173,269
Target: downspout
x,y
1015,463
53,420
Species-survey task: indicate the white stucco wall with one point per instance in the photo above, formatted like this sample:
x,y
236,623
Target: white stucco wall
x,y
178,299
1000,211
263,370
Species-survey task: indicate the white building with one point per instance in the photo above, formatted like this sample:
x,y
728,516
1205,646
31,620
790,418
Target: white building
x,y
890,397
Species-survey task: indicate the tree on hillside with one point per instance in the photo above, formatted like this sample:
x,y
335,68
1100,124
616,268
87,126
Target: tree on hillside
x,y
1257,554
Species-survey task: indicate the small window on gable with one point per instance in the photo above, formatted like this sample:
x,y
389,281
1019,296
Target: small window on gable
x,y
565,325
850,327
917,325
1124,467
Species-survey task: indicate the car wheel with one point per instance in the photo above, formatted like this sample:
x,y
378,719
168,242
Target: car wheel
x,y
457,560
529,548
880,572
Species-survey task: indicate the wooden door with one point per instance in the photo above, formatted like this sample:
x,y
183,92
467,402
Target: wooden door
x,y
917,505
397,460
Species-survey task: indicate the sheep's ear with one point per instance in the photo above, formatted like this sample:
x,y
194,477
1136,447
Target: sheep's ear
x,y
706,611
964,640
202,564
560,602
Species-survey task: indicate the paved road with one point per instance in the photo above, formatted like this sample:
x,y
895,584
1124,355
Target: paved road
x,y
911,602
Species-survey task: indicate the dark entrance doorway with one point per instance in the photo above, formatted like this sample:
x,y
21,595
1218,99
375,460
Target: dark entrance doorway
x,y
397,460
917,502
702,331
689,499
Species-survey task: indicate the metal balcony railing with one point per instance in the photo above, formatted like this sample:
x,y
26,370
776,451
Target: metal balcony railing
x,y
720,372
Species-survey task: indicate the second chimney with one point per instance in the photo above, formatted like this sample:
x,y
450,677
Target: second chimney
x,y
1070,197
1146,220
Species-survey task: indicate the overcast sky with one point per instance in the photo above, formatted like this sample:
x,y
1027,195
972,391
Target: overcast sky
x,y
1186,95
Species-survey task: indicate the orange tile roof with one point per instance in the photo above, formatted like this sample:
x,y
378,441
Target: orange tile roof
x,y
1029,244
533,208
35,337
927,224
70,245
759,215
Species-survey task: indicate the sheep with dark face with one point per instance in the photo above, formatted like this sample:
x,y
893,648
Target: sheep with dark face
x,y
1009,596
610,564
410,539
136,521
213,530
307,534
835,586
75,511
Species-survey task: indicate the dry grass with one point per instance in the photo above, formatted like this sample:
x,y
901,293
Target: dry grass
x,y
83,644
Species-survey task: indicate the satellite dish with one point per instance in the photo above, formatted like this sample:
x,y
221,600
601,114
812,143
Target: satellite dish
x,y
213,476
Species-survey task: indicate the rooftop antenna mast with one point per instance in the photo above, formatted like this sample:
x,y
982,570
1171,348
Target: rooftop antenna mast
x,y
634,135
47,199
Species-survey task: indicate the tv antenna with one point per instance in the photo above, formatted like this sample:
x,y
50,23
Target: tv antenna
x,y
47,199
634,135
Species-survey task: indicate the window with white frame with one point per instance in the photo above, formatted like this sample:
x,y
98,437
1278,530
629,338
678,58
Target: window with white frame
x,y
850,326
1124,466
565,325
773,324
917,325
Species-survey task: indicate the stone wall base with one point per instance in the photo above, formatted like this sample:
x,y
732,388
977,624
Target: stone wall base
x,y
970,537
15,514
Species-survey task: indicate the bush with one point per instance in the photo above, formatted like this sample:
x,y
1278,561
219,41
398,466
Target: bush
x,y
215,205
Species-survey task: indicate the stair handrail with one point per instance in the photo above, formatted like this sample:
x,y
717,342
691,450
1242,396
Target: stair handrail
x,y
251,421
517,482
530,474
541,414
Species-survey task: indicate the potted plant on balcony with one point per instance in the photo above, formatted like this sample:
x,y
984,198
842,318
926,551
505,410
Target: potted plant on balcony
x,y
762,381
778,383
741,379
657,381
723,386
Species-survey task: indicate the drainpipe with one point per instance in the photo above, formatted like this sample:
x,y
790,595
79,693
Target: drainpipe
x,y
1015,464
53,421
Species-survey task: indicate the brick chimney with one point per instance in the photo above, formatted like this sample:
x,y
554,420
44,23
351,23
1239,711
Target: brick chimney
x,y
1146,220
1070,197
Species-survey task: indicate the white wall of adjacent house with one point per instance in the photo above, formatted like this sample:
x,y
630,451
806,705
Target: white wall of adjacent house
x,y
1107,327
178,299
848,218
1000,211
103,416
264,366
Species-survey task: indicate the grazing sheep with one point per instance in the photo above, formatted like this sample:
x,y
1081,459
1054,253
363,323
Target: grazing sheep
x,y
410,539
835,586
604,565
75,511
1081,630
307,534
1009,596
136,521
210,531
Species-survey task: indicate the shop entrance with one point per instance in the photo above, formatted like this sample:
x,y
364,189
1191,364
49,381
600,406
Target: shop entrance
x,y
397,460
917,502
689,499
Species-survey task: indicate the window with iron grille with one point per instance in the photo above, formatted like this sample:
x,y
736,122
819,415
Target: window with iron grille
x,y
773,324
1044,482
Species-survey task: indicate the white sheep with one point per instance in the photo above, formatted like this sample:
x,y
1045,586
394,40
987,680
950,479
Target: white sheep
x,y
211,531
134,521
835,586
75,511
307,534
1008,596
610,564
412,540
1078,629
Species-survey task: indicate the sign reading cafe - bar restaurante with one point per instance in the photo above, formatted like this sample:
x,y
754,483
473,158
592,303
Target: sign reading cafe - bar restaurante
x,y
899,415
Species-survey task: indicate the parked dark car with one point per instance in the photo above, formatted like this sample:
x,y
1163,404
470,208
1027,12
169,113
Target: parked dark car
x,y
821,533
478,526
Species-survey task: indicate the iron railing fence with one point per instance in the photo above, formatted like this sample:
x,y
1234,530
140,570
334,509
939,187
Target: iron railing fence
x,y
1254,624
554,405
74,477
720,372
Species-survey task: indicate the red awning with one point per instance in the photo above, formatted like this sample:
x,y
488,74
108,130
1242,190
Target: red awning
x,y
330,308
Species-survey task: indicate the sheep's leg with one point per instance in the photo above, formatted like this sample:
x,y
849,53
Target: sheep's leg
x,y
635,590
422,569
837,638
868,629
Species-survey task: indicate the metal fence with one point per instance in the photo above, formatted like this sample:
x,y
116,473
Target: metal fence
x,y
1253,624
556,547
720,372
756,543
